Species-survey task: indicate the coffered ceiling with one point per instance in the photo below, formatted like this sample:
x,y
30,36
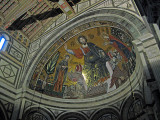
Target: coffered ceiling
x,y
26,18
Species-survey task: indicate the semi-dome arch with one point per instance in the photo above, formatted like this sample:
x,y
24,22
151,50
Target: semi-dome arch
x,y
130,21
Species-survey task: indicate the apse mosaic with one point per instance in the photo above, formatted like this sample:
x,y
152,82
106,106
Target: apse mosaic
x,y
90,60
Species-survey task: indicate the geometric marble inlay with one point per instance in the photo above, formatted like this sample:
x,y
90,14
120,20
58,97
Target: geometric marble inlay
x,y
7,71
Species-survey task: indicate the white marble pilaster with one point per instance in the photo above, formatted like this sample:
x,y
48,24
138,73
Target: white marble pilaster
x,y
147,45
16,110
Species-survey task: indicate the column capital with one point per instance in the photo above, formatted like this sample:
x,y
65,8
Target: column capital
x,y
147,43
144,40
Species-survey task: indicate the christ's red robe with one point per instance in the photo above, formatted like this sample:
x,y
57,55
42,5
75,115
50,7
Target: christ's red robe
x,y
78,52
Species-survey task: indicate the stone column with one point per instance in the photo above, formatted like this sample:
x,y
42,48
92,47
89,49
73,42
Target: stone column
x,y
155,92
16,110
140,50
148,46
149,53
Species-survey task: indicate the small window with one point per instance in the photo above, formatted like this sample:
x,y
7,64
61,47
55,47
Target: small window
x,y
108,116
4,40
135,110
36,116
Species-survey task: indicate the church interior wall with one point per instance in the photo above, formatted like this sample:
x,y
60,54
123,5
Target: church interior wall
x,y
18,101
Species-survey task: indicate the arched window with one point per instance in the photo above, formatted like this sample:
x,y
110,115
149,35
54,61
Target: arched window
x,y
5,41
37,114
106,114
135,110
72,116
109,116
